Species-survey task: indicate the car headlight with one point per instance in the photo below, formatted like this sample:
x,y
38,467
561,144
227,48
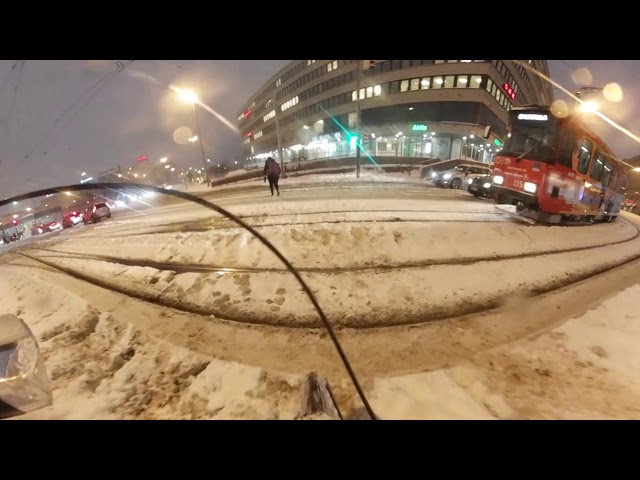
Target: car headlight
x,y
487,185
498,179
434,174
470,181
530,187
446,176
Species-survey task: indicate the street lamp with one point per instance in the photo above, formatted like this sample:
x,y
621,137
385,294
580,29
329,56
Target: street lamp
x,y
163,160
190,97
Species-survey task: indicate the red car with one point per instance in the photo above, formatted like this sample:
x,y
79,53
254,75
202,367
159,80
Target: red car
x,y
72,219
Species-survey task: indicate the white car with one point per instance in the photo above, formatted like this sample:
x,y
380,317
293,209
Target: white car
x,y
459,175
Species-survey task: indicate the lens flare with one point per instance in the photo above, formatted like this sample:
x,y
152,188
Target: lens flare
x,y
612,92
182,135
582,76
560,108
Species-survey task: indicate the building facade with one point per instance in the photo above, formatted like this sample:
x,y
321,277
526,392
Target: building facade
x,y
416,108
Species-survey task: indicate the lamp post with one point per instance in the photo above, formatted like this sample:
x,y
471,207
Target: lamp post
x,y
190,97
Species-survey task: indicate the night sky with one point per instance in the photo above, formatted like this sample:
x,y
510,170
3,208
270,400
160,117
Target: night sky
x,y
61,118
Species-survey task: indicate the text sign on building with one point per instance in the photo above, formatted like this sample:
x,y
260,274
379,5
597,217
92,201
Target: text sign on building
x,y
533,116
419,127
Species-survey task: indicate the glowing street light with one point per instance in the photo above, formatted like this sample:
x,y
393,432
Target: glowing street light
x,y
83,174
163,160
589,107
188,96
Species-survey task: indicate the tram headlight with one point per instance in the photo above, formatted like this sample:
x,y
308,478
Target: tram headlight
x,y
498,179
530,187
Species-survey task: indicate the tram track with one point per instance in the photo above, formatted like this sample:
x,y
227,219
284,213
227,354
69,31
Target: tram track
x,y
482,306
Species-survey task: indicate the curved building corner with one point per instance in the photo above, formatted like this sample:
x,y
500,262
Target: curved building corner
x,y
414,108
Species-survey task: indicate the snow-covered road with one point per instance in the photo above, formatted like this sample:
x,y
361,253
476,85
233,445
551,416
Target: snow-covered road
x,y
382,256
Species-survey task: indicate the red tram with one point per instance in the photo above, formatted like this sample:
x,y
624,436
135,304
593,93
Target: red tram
x,y
556,170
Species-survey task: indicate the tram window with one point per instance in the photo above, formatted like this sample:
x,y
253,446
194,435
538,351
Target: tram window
x,y
566,148
597,166
584,153
606,174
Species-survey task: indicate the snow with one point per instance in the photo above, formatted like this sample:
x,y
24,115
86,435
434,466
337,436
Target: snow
x,y
365,274
587,368
103,369
371,263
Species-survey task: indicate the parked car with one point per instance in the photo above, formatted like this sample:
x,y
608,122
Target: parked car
x,y
97,213
459,175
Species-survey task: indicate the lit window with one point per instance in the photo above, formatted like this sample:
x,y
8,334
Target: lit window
x,y
241,117
377,90
257,135
269,116
425,83
404,85
489,85
439,61
466,61
437,82
448,81
415,84
452,61
311,62
278,82
335,64
362,93
463,81
289,103
332,66
354,96
476,80
246,141
369,92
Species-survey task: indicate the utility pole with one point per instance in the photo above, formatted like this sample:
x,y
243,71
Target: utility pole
x,y
358,65
280,155
204,157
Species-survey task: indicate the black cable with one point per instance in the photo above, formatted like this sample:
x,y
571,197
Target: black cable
x,y
240,222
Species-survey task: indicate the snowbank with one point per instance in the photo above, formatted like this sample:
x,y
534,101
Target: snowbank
x,y
352,240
